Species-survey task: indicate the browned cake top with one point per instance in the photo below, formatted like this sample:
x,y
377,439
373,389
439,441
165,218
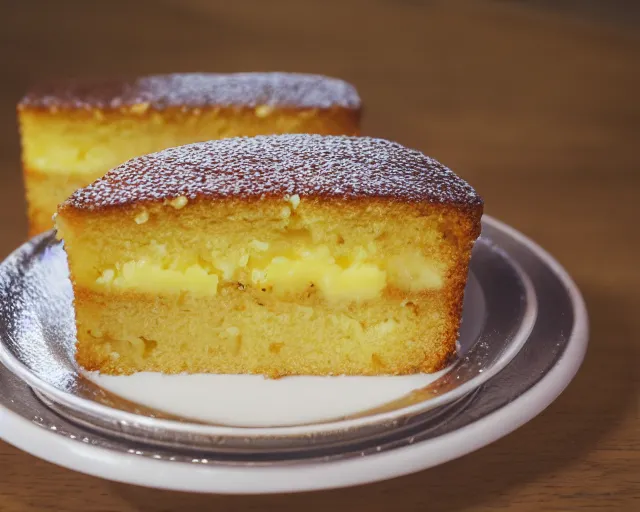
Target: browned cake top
x,y
198,90
277,165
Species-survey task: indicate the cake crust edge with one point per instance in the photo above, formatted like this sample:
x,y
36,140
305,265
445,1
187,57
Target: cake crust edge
x,y
193,90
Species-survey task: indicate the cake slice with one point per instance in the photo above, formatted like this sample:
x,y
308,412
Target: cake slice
x,y
73,133
277,255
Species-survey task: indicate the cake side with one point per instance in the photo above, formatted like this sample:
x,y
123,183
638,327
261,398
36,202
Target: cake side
x,y
59,142
43,194
62,152
329,288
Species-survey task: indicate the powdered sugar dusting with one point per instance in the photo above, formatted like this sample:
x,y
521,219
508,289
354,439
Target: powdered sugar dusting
x,y
277,165
199,90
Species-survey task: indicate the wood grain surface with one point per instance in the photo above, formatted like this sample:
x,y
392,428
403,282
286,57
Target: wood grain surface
x,y
539,109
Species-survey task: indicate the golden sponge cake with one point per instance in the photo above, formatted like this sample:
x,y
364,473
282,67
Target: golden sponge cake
x,y
73,133
278,255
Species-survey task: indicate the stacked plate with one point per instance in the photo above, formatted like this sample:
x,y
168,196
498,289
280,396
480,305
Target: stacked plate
x,y
523,337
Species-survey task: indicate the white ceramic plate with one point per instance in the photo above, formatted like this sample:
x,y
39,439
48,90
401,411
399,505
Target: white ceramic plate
x,y
525,327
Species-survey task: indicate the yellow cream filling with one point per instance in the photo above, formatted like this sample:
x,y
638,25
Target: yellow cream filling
x,y
356,278
147,276
356,281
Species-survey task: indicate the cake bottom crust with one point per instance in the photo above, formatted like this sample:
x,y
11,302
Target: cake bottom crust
x,y
251,332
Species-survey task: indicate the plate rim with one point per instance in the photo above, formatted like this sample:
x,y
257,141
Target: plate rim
x,y
225,479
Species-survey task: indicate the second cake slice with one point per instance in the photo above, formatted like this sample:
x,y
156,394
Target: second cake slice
x,y
73,133
280,255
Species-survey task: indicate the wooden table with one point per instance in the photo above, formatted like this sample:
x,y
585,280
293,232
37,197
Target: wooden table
x,y
539,110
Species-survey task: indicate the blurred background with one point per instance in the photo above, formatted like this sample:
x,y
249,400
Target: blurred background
x,y
536,103
516,88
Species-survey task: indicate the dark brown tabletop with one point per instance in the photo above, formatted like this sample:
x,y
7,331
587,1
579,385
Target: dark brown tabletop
x,y
537,107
